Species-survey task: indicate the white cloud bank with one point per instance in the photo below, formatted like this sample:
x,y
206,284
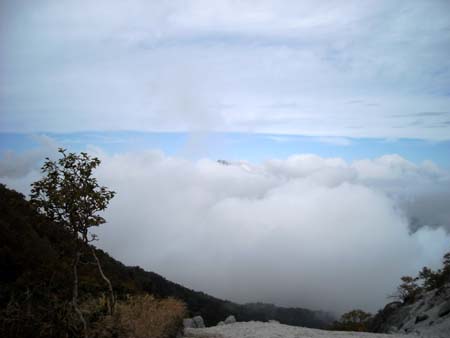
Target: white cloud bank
x,y
304,231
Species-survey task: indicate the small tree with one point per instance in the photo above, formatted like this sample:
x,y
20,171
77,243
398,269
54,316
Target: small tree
x,y
72,197
446,268
408,290
355,320
431,279
446,260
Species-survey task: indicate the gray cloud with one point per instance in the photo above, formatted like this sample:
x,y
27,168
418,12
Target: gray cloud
x,y
354,102
422,114
430,113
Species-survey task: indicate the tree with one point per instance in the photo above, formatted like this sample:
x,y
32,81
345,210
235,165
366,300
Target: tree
x,y
70,195
446,268
431,279
408,290
354,320
446,261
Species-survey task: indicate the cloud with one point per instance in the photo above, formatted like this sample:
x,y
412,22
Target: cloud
x,y
15,165
337,141
282,138
171,66
423,114
284,231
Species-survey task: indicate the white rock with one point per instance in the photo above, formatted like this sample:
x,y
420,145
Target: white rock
x,y
188,323
271,330
198,321
230,320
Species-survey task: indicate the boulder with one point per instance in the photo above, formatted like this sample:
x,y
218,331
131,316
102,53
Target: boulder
x,y
445,309
392,330
198,321
221,323
230,320
188,323
421,318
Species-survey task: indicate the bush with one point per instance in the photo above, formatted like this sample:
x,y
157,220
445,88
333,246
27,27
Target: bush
x,y
142,317
408,290
431,279
355,320
45,319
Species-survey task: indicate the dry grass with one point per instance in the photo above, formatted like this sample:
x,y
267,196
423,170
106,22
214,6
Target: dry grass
x,y
143,317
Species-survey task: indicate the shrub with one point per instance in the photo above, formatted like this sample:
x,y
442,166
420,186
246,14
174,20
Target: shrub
x,y
44,319
142,316
431,279
355,320
408,290
446,268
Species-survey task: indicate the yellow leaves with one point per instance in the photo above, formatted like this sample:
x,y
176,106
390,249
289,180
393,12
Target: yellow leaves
x,y
143,316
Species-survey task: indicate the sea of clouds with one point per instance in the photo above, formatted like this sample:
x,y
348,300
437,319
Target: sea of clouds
x,y
304,231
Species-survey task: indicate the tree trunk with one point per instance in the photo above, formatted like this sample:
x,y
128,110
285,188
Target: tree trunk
x,y
112,301
75,293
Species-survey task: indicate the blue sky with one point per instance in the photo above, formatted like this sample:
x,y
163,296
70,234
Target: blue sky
x,y
236,146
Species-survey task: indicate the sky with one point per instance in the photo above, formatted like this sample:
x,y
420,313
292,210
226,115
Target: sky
x,y
327,68
334,117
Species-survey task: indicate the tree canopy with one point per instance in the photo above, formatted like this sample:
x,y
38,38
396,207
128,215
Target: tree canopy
x,y
70,195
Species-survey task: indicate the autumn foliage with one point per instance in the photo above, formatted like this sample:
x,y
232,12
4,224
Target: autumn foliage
x,y
142,316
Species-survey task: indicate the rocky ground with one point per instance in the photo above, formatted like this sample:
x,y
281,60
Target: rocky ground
x,y
276,330
429,315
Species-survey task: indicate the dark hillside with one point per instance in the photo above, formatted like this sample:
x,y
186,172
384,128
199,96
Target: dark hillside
x,y
35,279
